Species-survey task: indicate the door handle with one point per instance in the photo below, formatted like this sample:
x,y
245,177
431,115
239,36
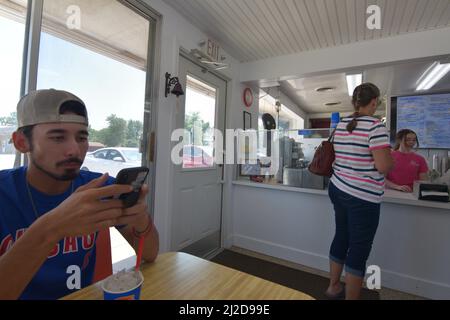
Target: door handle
x,y
151,148
221,181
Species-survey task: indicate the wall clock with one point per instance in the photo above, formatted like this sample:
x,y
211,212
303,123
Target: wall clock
x,y
248,97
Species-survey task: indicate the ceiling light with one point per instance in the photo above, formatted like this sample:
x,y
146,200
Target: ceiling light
x,y
353,80
432,75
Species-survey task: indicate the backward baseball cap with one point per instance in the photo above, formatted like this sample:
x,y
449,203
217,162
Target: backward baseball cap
x,y
43,106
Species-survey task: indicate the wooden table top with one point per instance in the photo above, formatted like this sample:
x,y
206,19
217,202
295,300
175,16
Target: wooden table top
x,y
181,276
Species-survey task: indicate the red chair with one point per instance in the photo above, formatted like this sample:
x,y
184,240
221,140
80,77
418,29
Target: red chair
x,y
103,264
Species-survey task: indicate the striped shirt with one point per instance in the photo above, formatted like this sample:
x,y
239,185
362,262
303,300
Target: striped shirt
x,y
354,167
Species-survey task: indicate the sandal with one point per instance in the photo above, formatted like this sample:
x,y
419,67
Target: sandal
x,y
338,296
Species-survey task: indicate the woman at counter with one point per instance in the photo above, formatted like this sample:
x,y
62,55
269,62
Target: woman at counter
x,y
409,166
362,158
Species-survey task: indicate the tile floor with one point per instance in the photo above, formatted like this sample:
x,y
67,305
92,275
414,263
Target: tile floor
x,y
385,293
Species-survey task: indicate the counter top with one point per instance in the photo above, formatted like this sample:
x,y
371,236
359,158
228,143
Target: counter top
x,y
390,196
394,196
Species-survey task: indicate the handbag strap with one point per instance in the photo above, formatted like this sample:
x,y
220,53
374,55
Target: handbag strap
x,y
331,137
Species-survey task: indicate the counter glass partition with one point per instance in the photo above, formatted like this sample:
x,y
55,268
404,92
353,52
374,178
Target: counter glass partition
x,y
280,157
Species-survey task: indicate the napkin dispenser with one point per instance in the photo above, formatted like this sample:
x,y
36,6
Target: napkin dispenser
x,y
424,190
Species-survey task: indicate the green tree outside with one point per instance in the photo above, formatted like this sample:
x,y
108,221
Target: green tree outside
x,y
10,120
119,133
197,128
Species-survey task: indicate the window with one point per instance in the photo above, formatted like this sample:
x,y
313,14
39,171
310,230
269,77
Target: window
x,y
199,124
12,33
100,154
286,119
103,60
132,154
115,155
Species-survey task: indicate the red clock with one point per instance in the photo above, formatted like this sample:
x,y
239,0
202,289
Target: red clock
x,y
248,97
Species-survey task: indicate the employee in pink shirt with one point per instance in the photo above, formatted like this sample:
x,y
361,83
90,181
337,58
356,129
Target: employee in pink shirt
x,y
409,166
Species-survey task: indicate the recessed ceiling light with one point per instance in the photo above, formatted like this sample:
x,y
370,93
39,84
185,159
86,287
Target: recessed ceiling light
x,y
353,80
331,104
325,89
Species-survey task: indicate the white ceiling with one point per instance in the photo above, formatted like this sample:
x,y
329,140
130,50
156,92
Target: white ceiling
x,y
251,30
303,93
258,29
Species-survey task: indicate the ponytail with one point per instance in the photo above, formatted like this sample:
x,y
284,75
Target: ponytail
x,y
362,96
352,124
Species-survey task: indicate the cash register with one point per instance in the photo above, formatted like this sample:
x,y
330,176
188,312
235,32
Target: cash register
x,y
425,190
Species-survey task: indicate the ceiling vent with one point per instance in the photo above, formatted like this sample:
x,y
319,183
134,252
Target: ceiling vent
x,y
325,89
332,104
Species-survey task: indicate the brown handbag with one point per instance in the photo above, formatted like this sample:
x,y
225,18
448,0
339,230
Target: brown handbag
x,y
322,163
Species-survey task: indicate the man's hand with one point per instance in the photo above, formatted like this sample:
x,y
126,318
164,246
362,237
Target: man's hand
x,y
137,216
86,211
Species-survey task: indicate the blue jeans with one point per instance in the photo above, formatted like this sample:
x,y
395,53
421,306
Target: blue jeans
x,y
356,225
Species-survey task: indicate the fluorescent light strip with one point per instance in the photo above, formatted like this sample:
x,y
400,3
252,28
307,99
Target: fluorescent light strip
x,y
438,72
423,76
353,80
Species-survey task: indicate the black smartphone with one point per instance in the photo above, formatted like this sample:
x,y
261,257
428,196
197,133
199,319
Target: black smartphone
x,y
134,177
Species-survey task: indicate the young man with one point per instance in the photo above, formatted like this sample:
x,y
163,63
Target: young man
x,y
50,211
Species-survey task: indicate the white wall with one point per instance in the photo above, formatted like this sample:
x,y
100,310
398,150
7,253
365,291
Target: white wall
x,y
176,33
410,247
367,53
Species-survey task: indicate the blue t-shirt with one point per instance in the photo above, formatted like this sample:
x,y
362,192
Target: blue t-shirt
x,y
17,214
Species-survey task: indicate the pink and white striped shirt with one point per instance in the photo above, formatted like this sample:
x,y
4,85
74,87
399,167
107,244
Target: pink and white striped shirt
x,y
354,167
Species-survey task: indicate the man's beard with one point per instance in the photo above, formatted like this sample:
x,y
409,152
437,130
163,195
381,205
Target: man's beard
x,y
69,175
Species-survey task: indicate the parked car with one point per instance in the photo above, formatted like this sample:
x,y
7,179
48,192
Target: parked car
x,y
112,160
196,157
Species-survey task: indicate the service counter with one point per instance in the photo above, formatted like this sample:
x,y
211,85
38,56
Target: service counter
x,y
296,224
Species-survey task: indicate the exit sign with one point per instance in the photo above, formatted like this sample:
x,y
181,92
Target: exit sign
x,y
212,50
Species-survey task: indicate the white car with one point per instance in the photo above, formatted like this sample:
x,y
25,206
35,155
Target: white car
x,y
112,160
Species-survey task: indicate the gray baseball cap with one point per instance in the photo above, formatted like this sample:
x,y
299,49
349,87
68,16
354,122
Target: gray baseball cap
x,y
43,106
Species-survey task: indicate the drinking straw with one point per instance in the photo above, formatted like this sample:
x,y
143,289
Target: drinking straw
x,y
139,253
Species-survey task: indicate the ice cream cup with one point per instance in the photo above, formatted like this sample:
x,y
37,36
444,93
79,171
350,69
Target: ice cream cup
x,y
125,285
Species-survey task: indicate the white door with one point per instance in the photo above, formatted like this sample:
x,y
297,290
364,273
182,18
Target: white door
x,y
197,197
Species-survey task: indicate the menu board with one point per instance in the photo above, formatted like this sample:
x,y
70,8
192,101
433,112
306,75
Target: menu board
x,y
428,116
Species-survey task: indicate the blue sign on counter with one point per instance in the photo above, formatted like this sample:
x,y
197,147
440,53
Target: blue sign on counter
x,y
304,132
